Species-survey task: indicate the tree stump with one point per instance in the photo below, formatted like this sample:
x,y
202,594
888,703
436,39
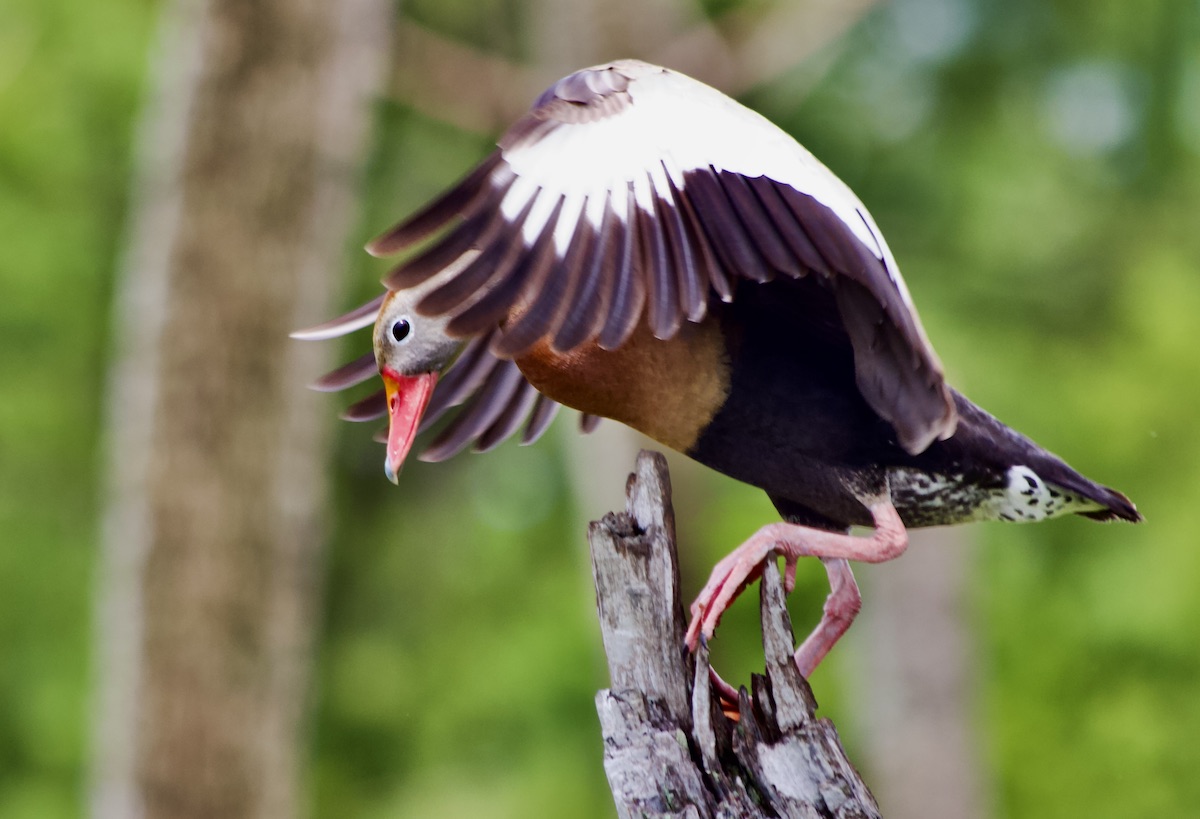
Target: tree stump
x,y
669,750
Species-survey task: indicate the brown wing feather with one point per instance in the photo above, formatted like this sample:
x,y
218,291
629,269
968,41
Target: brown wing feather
x,y
344,324
759,227
507,289
721,224
371,408
628,285
512,417
696,238
896,370
499,255
540,417
547,312
662,296
691,280
588,304
500,400
482,226
478,414
434,216
469,370
789,228
355,372
659,259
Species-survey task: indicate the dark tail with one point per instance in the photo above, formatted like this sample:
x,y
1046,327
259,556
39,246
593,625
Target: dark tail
x,y
1116,505
980,432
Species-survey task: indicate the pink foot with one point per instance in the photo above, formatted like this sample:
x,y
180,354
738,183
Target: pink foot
x,y
744,565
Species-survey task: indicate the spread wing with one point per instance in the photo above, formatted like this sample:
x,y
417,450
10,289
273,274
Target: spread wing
x,y
633,193
486,397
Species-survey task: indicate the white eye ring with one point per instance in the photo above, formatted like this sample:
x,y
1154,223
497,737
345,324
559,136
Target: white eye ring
x,y
401,330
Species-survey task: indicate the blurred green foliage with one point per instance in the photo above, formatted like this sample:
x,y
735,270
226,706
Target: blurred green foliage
x,y
70,80
1036,168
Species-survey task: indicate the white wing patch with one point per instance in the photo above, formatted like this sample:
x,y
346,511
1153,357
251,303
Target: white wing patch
x,y
518,196
683,124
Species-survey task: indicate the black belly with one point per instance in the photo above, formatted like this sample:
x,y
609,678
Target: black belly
x,y
796,425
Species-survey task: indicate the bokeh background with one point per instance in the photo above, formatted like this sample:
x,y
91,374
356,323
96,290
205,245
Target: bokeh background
x,y
1036,168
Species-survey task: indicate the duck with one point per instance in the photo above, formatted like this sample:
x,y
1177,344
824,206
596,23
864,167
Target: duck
x,y
642,248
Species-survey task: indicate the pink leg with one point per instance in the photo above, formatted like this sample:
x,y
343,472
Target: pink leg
x,y
841,607
744,564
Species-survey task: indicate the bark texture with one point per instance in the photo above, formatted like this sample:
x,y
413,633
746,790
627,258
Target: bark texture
x,y
669,751
250,158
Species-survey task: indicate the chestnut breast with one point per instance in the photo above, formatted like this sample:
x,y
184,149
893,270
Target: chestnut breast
x,y
668,390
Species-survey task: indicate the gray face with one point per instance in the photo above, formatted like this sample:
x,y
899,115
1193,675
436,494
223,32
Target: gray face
x,y
409,343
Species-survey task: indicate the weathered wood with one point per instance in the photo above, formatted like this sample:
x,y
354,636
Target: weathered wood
x,y
669,751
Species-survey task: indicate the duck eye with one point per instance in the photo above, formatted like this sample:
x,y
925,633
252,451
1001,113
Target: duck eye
x,y
401,329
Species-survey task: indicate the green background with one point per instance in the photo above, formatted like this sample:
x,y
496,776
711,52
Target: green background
x,y
1036,168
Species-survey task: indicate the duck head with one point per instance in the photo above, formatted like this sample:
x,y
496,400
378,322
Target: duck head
x,y
411,350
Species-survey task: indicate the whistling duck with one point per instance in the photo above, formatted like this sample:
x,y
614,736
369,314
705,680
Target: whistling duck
x,y
643,248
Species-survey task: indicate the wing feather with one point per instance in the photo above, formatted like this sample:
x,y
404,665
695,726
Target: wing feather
x,y
720,222
498,400
589,301
434,216
662,296
547,311
347,375
345,324
441,255
698,240
691,280
468,372
372,407
675,193
758,226
507,288
512,417
627,285
478,415
540,417
789,228
496,261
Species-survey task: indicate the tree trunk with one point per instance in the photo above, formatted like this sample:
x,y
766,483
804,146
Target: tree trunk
x,y
249,161
915,682
668,749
